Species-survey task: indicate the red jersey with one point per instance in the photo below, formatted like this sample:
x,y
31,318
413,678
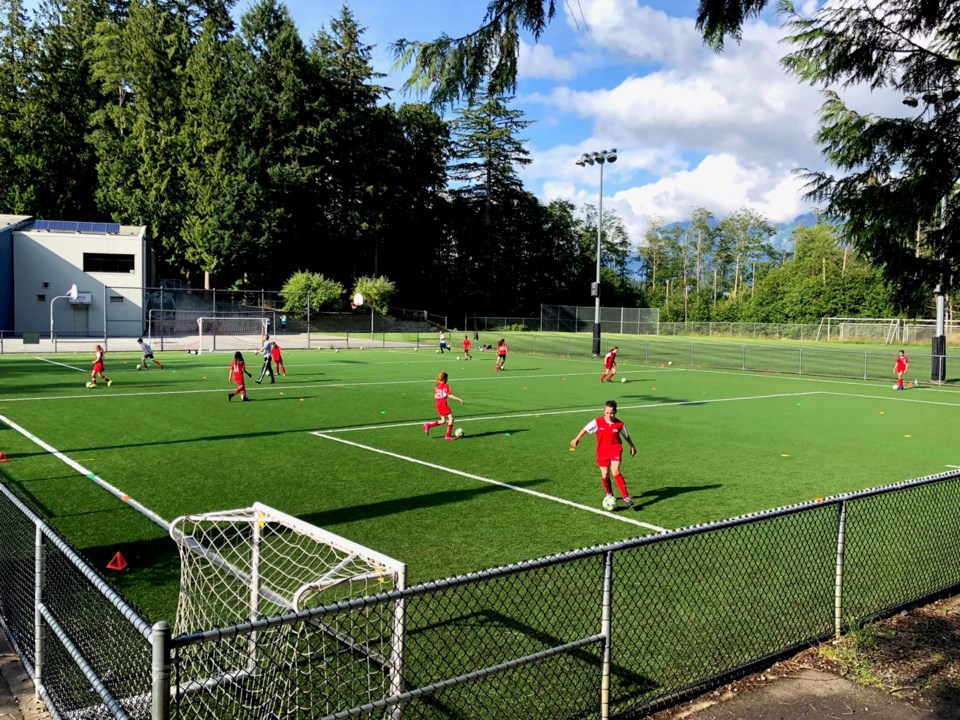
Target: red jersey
x,y
610,438
466,345
98,360
609,359
237,369
440,394
275,352
901,365
502,349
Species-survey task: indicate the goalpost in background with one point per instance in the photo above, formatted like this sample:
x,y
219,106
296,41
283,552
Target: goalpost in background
x,y
886,330
217,334
255,563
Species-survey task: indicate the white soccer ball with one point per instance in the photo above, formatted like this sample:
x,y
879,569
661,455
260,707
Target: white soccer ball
x,y
458,432
623,379
609,502
895,386
438,352
669,362
139,367
89,384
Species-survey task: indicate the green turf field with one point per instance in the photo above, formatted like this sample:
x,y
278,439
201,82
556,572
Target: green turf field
x,y
339,443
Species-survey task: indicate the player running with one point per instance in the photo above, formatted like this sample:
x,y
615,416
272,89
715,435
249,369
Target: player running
x,y
238,369
501,354
441,395
147,355
466,348
611,434
610,364
98,354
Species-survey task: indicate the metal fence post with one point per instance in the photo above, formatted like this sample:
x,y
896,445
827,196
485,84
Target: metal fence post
x,y
160,670
838,578
606,628
39,582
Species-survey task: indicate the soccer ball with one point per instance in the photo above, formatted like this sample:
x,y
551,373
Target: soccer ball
x,y
139,367
623,379
894,386
609,502
89,384
669,362
458,432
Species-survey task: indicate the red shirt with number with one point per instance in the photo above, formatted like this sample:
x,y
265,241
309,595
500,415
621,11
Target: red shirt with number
x,y
609,359
440,394
237,369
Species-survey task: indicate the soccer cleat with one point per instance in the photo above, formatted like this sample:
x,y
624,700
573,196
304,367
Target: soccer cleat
x,y
109,383
246,399
426,429
449,437
257,382
628,501
229,397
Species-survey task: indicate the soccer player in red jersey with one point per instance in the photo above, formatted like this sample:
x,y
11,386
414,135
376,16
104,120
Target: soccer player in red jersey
x,y
98,368
610,364
441,395
466,348
900,368
278,359
611,434
501,354
238,369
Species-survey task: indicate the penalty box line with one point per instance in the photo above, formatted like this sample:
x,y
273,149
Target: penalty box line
x,y
489,481
116,492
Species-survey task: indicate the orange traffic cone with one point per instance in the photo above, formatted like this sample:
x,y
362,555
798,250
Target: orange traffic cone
x,y
117,563
3,457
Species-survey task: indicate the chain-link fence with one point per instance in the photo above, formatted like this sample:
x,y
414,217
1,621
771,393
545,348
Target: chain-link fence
x,y
619,321
608,631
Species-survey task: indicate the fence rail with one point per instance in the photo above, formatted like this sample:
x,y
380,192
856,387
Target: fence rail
x,y
604,632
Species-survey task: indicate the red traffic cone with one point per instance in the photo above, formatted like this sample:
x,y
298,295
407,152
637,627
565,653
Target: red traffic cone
x,y
3,457
117,563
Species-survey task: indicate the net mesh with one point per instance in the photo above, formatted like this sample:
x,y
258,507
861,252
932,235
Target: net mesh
x,y
230,333
256,563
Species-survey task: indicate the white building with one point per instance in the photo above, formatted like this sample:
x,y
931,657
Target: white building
x,y
106,261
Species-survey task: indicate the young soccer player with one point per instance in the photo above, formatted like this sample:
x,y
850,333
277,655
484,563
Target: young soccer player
x,y
147,355
466,348
900,368
501,354
267,351
443,342
441,396
611,434
278,359
98,367
610,364
238,369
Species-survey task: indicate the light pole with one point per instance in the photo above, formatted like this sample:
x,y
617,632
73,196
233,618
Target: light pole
x,y
71,294
934,100
600,158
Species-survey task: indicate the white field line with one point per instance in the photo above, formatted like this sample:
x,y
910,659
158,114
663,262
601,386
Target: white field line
x,y
147,512
498,483
897,399
579,411
54,362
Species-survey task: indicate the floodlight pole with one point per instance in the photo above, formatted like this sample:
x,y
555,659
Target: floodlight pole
x,y
602,157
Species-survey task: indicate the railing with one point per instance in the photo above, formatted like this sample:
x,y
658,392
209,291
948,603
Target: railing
x,y
604,632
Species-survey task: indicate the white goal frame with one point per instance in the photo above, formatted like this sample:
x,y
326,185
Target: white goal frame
x,y
219,334
252,563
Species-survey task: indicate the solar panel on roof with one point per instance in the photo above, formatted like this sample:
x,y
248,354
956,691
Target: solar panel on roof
x,y
77,227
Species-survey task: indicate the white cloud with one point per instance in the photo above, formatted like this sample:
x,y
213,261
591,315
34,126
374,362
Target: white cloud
x,y
540,61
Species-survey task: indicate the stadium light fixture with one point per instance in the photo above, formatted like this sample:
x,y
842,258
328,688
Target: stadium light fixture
x,y
598,158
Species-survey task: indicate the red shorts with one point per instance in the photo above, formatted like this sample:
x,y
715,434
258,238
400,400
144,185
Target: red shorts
x,y
444,408
605,456
98,367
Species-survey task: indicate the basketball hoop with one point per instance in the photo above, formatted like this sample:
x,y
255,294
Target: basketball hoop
x,y
72,292
357,300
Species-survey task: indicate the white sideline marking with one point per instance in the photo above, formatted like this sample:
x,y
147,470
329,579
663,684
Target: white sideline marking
x,y
498,483
897,398
592,408
150,514
955,467
54,362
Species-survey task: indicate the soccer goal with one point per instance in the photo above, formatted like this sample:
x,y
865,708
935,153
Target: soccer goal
x,y
219,334
256,563
885,330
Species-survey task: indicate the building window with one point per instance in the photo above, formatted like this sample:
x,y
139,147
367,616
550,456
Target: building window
x,y
107,263
41,298
116,298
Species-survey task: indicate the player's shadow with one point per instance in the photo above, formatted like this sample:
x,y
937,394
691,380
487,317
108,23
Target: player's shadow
x,y
655,495
370,511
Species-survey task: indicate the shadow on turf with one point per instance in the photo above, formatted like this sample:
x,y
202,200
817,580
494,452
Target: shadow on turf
x,y
329,518
655,495
472,436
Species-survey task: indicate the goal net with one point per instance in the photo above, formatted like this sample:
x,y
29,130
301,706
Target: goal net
x,y
218,334
255,563
884,330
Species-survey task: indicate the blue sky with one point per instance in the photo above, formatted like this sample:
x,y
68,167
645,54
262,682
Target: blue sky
x,y
692,127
